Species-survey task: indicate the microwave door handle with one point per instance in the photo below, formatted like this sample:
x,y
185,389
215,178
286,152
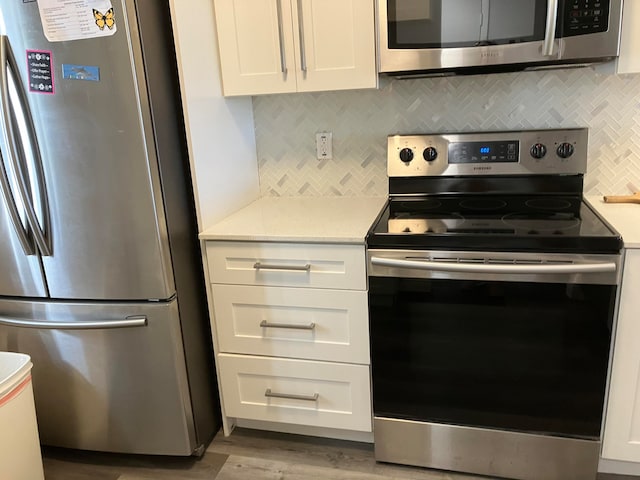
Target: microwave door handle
x,y
9,152
550,31
27,170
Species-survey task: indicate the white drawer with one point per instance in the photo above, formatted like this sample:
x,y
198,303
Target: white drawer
x,y
331,395
288,264
293,322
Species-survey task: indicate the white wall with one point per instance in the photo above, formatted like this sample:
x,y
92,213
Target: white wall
x,y
220,132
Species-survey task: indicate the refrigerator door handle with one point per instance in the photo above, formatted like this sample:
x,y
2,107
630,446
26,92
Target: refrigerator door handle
x,y
17,156
12,208
131,321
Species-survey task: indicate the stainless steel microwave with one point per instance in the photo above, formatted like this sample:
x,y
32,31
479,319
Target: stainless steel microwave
x,y
465,36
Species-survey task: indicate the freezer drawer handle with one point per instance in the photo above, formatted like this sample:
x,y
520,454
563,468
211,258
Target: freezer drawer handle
x,y
132,321
308,398
295,268
266,324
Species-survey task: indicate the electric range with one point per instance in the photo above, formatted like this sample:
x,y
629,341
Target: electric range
x,y
492,287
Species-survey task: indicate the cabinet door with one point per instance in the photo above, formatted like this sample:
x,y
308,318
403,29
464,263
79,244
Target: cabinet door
x,y
335,44
255,38
622,427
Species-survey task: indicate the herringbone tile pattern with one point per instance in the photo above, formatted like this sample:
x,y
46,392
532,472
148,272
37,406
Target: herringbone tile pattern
x,y
361,120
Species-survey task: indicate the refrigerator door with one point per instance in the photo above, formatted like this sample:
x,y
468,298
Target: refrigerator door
x,y
107,228
108,377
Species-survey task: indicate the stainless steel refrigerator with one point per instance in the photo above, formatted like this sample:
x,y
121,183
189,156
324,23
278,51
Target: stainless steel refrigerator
x,y
101,279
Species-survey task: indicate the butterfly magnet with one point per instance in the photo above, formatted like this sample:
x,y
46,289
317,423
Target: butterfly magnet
x,y
64,20
106,19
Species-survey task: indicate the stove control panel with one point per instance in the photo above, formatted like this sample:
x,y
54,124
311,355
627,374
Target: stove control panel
x,y
532,152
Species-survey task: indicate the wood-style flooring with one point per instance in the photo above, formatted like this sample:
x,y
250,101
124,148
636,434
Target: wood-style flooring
x,y
247,455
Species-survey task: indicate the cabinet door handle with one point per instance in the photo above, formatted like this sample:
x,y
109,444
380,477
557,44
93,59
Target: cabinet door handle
x,y
308,398
303,54
283,57
266,324
294,268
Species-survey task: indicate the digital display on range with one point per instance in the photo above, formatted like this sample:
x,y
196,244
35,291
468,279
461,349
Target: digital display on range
x,y
484,152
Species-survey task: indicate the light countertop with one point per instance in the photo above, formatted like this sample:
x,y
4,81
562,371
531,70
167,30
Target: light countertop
x,y
624,217
300,219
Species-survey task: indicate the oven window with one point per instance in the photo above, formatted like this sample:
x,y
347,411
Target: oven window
x,y
518,356
421,24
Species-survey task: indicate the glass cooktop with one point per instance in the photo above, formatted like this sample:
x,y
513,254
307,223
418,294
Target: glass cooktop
x,y
487,222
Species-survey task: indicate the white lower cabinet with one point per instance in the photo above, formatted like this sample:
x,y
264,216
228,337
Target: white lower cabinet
x,y
291,333
302,392
621,439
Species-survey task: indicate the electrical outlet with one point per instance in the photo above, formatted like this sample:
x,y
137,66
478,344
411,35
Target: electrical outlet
x,y
324,149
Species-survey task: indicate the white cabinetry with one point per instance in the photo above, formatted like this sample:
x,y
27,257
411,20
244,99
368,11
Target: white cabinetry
x,y
629,60
291,333
279,46
622,426
217,128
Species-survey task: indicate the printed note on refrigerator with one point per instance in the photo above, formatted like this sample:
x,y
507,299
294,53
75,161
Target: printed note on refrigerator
x,y
64,20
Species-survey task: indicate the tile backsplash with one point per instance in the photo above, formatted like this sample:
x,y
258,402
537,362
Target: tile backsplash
x,y
286,126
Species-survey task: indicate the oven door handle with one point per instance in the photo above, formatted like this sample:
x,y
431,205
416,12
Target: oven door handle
x,y
461,267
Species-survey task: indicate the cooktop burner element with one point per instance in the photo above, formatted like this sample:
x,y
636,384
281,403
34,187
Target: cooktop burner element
x,y
466,199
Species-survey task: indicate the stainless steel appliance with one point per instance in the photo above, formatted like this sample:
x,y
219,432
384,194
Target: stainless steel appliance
x,y
491,294
101,279
470,36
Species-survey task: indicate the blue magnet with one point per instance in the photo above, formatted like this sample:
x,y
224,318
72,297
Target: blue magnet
x,y
81,72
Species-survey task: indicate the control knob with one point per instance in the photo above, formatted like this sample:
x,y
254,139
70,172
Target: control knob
x,y
538,151
430,154
565,150
406,155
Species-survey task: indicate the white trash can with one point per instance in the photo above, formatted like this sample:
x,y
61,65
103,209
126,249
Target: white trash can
x,y
20,457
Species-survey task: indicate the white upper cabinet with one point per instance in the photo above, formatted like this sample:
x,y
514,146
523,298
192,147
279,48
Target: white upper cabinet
x,y
279,46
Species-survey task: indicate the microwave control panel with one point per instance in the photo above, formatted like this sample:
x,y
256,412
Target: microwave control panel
x,y
585,16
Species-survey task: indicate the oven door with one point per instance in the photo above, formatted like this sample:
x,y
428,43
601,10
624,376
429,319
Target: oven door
x,y
423,35
492,341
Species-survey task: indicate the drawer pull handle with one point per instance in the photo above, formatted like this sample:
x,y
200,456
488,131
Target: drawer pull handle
x,y
266,324
294,268
308,398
